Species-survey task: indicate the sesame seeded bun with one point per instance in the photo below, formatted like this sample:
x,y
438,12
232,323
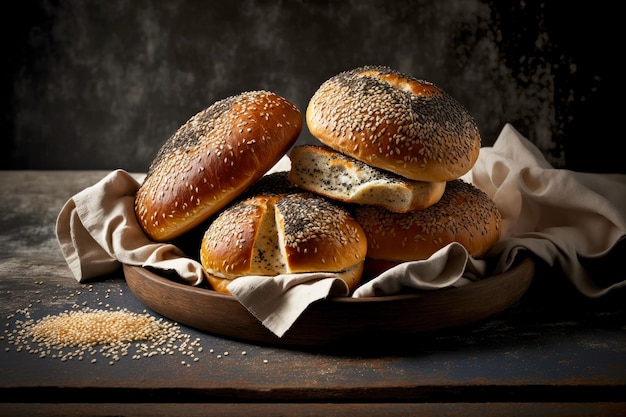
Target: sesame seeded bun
x,y
332,174
276,234
212,158
395,122
465,214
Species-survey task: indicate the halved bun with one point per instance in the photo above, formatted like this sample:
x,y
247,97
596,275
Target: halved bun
x,y
332,174
276,234
395,122
212,158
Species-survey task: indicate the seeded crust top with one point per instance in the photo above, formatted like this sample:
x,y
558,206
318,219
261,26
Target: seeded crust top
x,y
464,214
396,122
319,234
212,158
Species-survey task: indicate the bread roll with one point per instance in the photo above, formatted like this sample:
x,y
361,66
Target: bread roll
x,y
465,214
212,158
329,173
274,234
395,122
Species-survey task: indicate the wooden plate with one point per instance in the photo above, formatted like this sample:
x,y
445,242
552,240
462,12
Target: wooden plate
x,y
340,319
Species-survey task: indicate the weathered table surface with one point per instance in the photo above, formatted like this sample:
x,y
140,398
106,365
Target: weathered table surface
x,y
553,353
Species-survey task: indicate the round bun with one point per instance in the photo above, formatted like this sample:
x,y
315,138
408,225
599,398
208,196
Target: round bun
x,y
395,122
335,175
212,158
465,214
276,234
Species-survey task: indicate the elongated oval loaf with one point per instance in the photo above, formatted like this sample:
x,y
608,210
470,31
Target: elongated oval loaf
x,y
212,159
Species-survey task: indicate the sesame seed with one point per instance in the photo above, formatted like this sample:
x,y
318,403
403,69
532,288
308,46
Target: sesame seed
x,y
81,331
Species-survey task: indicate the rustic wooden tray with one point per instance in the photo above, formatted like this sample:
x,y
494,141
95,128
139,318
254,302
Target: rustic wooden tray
x,y
337,319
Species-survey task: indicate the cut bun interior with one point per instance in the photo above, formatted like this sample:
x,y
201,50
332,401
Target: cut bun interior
x,y
332,174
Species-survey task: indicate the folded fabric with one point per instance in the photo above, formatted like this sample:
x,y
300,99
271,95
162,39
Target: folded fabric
x,y
278,301
443,269
558,215
98,231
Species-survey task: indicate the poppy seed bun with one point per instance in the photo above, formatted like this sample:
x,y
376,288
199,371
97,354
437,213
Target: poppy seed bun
x,y
276,234
395,122
212,158
332,174
465,214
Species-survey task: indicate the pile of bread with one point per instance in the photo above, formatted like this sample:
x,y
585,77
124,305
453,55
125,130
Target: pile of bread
x,y
382,187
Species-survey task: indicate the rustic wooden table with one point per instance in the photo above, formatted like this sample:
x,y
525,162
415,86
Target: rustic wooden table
x,y
553,353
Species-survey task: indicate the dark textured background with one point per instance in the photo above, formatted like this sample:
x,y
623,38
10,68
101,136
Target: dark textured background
x,y
102,84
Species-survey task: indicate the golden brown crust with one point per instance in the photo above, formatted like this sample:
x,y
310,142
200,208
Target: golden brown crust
x,y
274,234
317,234
334,175
465,214
212,158
395,122
228,245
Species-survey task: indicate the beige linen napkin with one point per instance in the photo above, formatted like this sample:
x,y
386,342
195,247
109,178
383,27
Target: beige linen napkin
x,y
278,301
98,231
558,215
445,268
